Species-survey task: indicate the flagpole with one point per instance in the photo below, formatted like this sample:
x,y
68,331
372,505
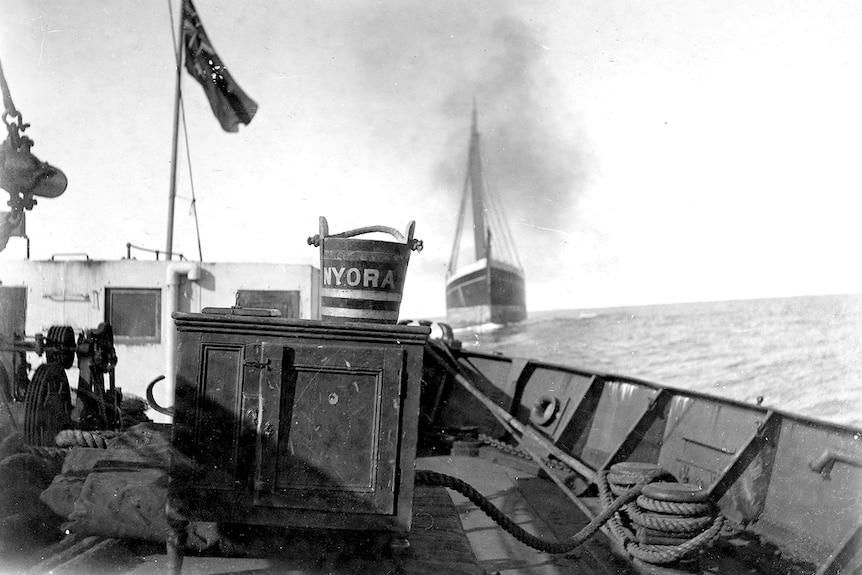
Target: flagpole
x,y
178,49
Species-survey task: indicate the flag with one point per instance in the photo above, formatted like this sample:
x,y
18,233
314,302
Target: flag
x,y
229,103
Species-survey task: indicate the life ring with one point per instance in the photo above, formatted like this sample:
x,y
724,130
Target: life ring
x,y
545,410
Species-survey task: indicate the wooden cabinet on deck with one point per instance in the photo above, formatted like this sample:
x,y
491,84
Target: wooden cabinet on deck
x,y
296,423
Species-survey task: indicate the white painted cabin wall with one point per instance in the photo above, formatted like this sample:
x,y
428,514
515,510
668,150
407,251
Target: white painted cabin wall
x,y
73,293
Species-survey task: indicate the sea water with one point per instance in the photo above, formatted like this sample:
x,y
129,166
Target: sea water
x,y
801,355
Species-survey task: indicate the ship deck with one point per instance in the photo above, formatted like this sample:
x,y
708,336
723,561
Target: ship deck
x,y
449,535
515,487
518,488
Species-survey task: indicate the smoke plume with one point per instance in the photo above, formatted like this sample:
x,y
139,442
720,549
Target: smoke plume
x,y
424,63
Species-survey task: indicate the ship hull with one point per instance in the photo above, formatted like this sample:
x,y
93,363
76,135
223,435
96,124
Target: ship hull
x,y
487,294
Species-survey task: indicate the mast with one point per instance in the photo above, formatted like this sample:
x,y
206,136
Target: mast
x,y
474,173
172,194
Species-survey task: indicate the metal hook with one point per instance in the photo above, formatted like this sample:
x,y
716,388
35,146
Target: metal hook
x,y
15,114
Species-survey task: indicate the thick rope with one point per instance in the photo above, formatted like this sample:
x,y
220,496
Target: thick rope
x,y
669,523
480,501
656,554
673,508
78,438
615,525
670,553
57,453
689,518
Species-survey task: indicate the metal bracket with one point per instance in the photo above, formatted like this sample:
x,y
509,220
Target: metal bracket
x,y
766,432
824,464
638,431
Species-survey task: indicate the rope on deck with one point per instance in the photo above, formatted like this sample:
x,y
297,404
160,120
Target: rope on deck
x,y
682,527
79,438
674,508
697,524
442,480
50,453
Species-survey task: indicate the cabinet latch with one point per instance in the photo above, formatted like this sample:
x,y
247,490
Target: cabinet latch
x,y
257,364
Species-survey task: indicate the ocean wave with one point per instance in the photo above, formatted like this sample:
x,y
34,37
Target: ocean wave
x,y
802,355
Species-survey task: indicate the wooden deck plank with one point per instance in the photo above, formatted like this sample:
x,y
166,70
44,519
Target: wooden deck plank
x,y
537,506
438,544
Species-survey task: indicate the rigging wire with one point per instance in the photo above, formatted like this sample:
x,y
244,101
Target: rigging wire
x,y
186,133
494,217
194,204
456,247
497,222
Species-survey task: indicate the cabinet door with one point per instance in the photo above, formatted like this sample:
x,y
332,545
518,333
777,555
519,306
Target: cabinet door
x,y
329,434
208,406
226,408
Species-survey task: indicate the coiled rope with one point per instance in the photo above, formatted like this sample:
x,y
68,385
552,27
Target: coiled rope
x,y
442,480
693,524
674,508
698,522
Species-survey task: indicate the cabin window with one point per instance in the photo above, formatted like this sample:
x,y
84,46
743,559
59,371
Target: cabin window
x,y
287,302
134,314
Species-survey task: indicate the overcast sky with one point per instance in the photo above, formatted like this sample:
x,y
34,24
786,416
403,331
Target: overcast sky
x,y
645,152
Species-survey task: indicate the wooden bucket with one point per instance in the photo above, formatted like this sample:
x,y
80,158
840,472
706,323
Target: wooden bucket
x,y
362,280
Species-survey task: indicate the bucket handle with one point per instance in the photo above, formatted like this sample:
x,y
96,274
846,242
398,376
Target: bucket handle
x,y
369,229
415,245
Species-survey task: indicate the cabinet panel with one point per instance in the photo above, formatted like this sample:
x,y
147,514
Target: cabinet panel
x,y
332,430
336,449
216,431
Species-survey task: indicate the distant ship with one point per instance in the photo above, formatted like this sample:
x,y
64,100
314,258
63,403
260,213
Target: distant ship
x,y
485,279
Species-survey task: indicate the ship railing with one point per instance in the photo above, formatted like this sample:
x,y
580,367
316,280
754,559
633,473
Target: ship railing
x,y
785,477
158,253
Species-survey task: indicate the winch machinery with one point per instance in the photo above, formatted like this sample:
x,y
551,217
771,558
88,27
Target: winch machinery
x,y
47,396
